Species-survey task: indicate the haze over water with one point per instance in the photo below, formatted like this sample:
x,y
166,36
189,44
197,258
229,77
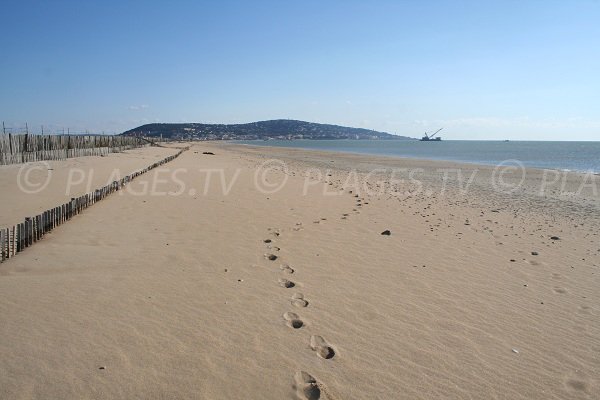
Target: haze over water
x,y
575,156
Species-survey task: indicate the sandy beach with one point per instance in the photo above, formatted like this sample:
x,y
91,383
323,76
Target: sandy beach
x,y
34,187
272,273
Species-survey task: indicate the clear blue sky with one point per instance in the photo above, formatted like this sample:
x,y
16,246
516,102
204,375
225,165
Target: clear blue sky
x,y
482,69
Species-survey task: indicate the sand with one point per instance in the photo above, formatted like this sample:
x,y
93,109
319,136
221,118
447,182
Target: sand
x,y
29,189
234,288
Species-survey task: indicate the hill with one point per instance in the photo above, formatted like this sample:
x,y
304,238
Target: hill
x,y
273,129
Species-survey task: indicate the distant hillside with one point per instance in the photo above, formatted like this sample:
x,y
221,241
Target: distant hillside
x,y
274,129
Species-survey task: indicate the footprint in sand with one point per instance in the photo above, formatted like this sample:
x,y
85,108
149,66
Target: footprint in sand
x,y
321,347
560,290
577,385
535,263
286,268
293,320
299,301
286,284
307,387
585,309
271,257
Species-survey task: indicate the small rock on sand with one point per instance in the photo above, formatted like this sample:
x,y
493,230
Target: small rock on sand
x,y
386,232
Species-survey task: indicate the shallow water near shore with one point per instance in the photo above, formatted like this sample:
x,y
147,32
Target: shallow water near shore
x,y
573,156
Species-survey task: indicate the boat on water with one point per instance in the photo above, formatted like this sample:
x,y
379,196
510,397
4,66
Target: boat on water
x,y
431,138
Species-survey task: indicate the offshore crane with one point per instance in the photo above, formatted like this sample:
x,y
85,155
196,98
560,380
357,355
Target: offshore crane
x,y
430,138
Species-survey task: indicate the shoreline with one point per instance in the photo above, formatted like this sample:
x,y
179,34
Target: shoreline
x,y
466,162
506,184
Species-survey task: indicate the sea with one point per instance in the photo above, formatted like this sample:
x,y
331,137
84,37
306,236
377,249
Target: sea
x,y
566,156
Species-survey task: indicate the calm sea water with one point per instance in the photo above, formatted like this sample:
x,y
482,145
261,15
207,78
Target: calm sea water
x,y
575,156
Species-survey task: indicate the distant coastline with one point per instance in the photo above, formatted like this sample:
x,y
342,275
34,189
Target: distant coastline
x,y
278,129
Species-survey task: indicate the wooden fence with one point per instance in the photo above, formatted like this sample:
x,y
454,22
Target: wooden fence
x,y
16,239
22,148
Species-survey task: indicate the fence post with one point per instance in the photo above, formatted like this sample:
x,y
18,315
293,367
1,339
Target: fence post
x,y
31,232
19,238
2,245
26,236
23,236
24,147
12,242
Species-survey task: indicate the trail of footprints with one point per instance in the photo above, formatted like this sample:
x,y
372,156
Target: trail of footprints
x,y
306,386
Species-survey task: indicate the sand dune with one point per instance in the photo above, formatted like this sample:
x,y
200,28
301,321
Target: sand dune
x,y
259,283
